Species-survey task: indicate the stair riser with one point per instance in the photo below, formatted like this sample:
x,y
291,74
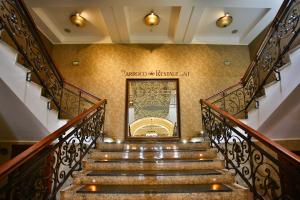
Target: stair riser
x,y
236,195
154,166
153,180
114,147
208,154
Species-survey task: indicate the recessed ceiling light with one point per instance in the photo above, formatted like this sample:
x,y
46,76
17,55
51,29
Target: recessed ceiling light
x,y
227,62
67,30
234,31
224,21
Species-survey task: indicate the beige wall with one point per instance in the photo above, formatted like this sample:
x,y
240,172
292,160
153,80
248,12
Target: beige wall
x,y
255,44
101,65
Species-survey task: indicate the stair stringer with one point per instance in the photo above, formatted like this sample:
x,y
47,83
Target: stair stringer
x,y
276,92
14,76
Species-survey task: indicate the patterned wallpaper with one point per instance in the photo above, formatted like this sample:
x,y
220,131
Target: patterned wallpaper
x,y
200,69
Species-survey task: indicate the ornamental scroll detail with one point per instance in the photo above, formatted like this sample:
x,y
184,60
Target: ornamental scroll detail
x,y
43,175
264,171
282,37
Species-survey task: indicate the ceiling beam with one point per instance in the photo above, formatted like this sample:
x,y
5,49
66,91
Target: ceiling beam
x,y
47,25
109,18
122,25
192,27
259,26
183,23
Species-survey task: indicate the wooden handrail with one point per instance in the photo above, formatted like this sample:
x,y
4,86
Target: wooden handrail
x,y
38,39
255,134
17,161
281,10
259,51
81,90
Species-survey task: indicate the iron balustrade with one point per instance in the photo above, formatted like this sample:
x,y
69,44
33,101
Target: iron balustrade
x,y
282,36
40,171
17,23
267,169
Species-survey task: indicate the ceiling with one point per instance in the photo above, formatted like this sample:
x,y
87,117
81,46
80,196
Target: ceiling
x,y
182,21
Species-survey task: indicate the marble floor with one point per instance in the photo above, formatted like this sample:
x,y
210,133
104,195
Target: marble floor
x,y
166,171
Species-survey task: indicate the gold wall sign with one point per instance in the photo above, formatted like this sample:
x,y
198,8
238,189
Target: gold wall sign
x,y
155,73
152,109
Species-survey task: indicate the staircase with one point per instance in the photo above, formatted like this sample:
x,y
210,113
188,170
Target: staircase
x,y
275,93
165,170
28,95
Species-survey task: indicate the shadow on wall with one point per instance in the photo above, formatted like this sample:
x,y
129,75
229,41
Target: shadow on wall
x,y
284,122
17,123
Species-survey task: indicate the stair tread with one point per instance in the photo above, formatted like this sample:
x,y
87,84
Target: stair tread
x,y
151,160
151,150
153,189
153,142
152,172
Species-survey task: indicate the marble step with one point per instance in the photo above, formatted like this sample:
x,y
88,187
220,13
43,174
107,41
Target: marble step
x,y
183,154
151,146
153,177
155,192
173,164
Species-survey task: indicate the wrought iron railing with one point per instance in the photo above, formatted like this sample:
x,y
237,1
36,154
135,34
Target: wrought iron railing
x,y
282,36
267,169
75,100
17,23
40,171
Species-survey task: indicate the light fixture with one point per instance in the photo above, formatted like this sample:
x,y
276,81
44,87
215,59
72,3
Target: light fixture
x,y
151,19
77,20
224,21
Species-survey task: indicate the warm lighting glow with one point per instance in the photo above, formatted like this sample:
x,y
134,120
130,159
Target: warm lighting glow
x,y
77,20
200,154
184,141
224,21
93,188
215,187
151,19
105,155
119,141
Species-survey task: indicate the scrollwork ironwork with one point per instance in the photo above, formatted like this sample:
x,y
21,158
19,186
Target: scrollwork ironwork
x,y
282,37
44,175
255,163
21,30
17,23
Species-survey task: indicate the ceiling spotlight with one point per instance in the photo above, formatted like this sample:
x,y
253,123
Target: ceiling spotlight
x,y
151,19
67,30
234,31
224,21
77,20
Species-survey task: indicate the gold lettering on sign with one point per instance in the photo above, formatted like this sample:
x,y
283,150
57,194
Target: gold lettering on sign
x,y
156,73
